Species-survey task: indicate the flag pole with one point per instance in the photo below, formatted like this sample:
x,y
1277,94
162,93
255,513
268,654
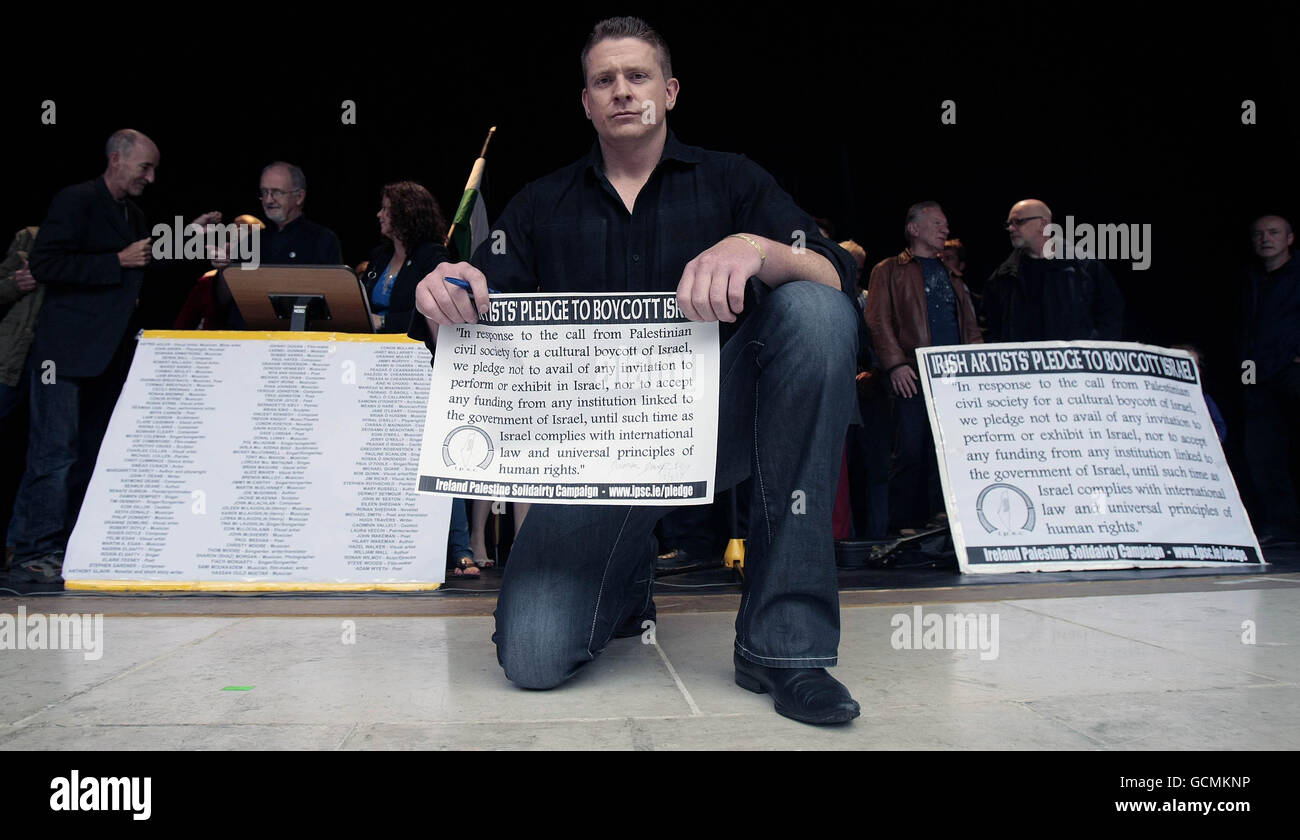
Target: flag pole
x,y
475,176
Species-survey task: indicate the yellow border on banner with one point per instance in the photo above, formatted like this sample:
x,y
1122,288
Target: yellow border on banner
x,y
234,586
269,335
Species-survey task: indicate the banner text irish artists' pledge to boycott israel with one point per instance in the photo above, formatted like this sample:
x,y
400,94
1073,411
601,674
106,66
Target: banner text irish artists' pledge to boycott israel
x,y
1072,455
598,399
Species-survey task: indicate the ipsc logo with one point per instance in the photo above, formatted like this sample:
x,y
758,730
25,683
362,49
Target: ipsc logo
x,y
1006,509
467,447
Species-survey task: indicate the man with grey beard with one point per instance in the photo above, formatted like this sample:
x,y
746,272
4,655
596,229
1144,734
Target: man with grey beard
x,y
289,239
292,238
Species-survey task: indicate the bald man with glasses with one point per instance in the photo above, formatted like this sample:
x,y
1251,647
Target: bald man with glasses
x,y
1033,297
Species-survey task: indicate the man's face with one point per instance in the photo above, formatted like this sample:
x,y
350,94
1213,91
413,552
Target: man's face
x,y
931,229
1025,225
280,201
135,170
1270,237
627,96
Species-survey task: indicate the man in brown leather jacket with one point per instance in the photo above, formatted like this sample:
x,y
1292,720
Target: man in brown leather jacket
x,y
913,302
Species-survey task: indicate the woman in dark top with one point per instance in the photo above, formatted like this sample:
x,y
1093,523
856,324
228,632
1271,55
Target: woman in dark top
x,y
413,227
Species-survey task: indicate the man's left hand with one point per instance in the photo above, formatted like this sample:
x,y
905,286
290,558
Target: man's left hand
x,y
712,287
209,218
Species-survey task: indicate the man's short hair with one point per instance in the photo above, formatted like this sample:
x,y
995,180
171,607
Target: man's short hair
x,y
914,215
1284,219
627,27
958,246
121,141
296,177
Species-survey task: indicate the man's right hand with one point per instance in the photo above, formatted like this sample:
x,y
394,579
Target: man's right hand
x,y
441,302
903,379
24,280
136,255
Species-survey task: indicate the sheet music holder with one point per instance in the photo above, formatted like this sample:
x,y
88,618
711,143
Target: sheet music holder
x,y
321,298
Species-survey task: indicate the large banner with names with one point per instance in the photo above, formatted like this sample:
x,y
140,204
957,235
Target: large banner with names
x,y
263,461
1081,455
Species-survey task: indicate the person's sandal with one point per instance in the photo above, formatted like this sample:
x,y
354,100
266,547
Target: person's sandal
x,y
465,567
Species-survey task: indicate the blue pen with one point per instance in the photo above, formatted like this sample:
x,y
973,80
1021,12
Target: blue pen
x,y
464,284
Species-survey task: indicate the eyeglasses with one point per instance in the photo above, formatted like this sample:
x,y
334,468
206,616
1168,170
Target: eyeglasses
x,y
1019,222
276,194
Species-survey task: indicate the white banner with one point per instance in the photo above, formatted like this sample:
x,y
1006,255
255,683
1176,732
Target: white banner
x,y
263,460
575,398
1081,455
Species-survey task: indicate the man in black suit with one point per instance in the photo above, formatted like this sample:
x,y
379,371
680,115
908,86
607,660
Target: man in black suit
x,y
91,253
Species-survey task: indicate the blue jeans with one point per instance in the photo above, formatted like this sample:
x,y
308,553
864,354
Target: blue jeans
x,y
577,574
69,417
458,532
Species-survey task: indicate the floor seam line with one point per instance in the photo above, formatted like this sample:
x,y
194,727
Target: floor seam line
x,y
690,701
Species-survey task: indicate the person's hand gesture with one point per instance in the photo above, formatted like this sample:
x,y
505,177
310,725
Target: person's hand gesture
x,y
712,287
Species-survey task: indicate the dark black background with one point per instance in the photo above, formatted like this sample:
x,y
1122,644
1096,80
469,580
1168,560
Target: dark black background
x,y
1110,113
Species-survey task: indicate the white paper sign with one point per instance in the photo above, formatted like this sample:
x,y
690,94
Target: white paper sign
x,y
1081,455
575,398
252,460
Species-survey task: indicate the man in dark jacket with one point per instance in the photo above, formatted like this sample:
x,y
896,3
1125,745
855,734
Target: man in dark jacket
x,y
913,301
1031,297
90,255
1270,349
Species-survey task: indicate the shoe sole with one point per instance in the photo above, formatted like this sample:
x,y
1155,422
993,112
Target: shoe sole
x,y
838,716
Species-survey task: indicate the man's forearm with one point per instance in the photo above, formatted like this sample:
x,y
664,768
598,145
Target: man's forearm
x,y
784,264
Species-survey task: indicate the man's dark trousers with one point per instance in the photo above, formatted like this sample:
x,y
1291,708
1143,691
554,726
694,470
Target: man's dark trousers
x,y
69,416
577,573
1271,425
915,493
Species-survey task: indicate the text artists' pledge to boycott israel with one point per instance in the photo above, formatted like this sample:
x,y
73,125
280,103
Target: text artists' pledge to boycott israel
x,y
603,399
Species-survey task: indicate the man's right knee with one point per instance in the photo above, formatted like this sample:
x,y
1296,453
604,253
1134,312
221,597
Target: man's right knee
x,y
535,651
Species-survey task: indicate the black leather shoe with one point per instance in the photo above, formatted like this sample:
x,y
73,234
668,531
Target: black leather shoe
x,y
635,625
805,694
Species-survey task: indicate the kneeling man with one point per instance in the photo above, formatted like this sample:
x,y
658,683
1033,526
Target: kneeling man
x,y
645,212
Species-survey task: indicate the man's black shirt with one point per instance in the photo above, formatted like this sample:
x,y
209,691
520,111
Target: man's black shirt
x,y
1033,276
570,231
301,241
1271,326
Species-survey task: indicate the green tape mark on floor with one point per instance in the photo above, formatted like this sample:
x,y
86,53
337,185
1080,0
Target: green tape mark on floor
x,y
238,688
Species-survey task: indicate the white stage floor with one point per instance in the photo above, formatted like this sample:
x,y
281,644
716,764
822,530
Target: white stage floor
x,y
1088,672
